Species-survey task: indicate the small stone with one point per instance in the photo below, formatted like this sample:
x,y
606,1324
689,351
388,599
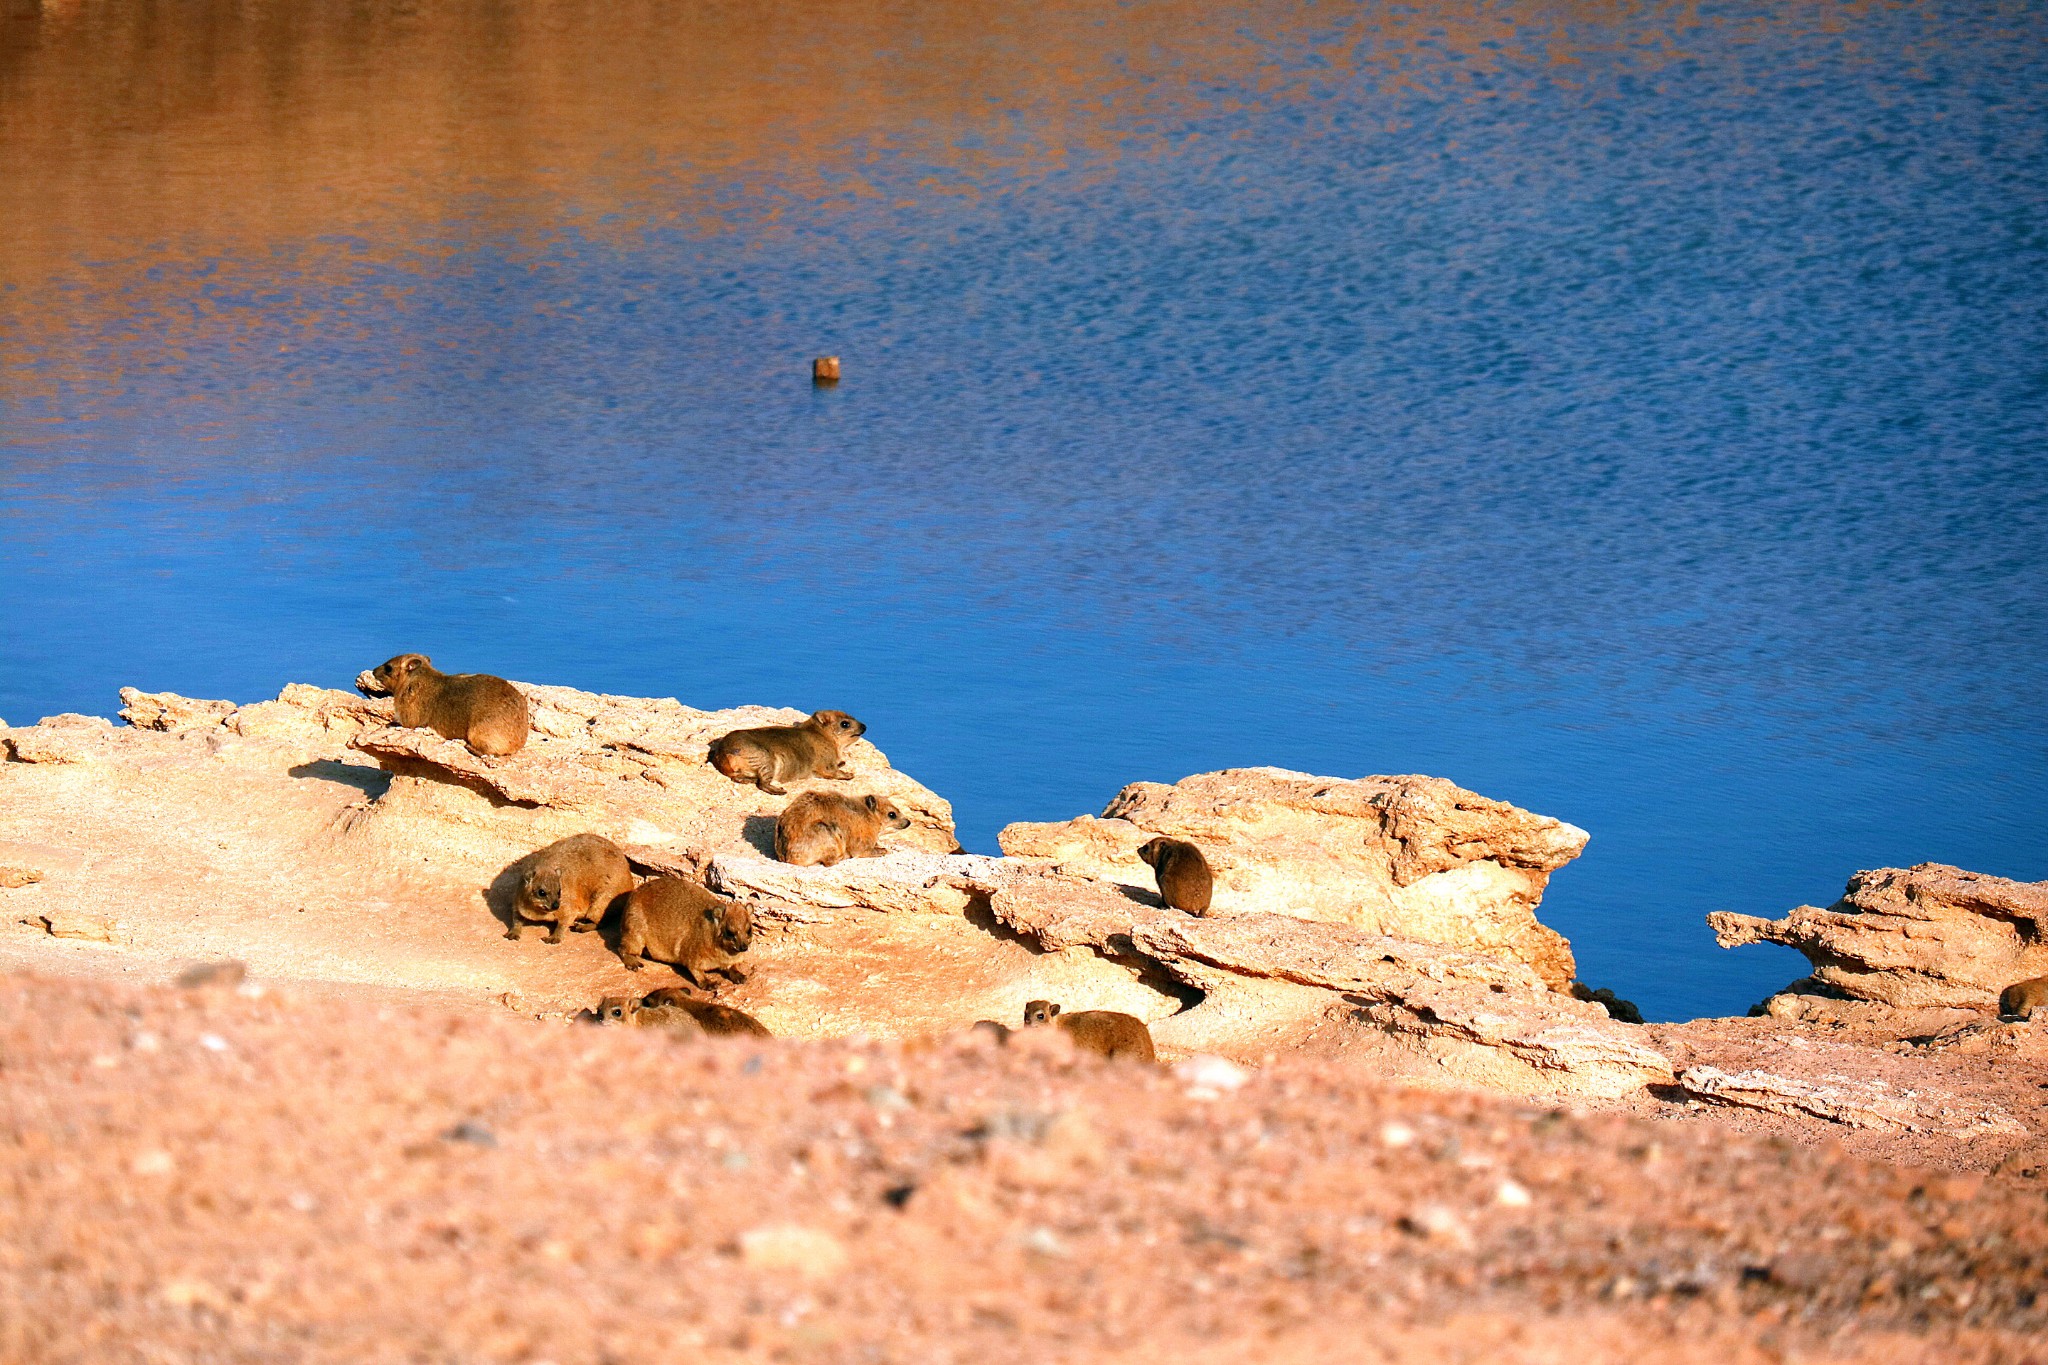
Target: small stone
x,y
825,370
473,1133
1437,1224
71,924
213,1042
156,1161
1510,1195
791,1247
1210,1077
1044,1242
1395,1133
226,972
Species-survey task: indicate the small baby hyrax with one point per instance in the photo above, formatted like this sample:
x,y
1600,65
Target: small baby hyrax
x,y
1183,873
820,828
775,754
674,920
711,1016
486,713
1103,1031
2022,998
570,884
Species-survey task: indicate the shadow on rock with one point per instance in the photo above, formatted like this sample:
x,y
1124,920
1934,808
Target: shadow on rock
x,y
372,782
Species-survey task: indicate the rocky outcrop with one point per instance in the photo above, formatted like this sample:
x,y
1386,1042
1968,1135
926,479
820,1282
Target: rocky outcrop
x,y
1408,857
1267,979
1857,1104
1913,938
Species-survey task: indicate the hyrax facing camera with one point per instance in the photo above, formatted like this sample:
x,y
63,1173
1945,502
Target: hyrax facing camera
x,y
674,920
570,884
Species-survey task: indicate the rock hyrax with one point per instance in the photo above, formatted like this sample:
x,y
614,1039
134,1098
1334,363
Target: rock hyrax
x,y
570,884
2022,998
711,1016
623,1010
775,754
486,713
674,920
1184,880
821,828
1103,1031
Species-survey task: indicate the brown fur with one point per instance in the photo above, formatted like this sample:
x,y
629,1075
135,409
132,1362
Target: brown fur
x,y
570,884
623,1010
1183,873
1103,1031
2022,998
674,920
820,828
775,754
486,713
711,1016
1000,1032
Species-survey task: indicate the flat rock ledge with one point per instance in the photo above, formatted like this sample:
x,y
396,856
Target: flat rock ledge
x,y
1856,1104
1930,936
1409,857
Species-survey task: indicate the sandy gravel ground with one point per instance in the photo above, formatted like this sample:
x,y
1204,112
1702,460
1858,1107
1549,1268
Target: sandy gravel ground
x,y
200,1175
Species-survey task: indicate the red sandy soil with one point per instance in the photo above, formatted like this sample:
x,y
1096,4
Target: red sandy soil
x,y
242,1175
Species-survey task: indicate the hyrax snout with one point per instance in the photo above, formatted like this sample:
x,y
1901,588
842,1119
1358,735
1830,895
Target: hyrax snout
x,y
570,884
674,920
487,713
1183,873
774,754
2022,998
1102,1031
821,828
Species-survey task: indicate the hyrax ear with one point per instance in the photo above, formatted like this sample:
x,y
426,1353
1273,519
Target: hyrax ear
x,y
871,803
711,914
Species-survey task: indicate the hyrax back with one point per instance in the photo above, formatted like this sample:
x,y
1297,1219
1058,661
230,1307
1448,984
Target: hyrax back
x,y
486,713
674,920
775,754
2022,998
820,828
1102,1031
570,884
710,1016
616,1010
1183,873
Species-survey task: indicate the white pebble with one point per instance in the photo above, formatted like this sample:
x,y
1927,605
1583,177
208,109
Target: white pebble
x,y
1510,1195
213,1042
1396,1134
1210,1077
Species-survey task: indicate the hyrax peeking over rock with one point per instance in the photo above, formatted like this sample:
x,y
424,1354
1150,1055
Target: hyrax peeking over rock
x,y
674,920
570,884
819,828
712,1017
486,713
775,754
2022,998
1183,873
1103,1031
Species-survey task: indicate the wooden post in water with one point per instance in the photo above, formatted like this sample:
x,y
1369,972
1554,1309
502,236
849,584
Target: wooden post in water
x,y
825,370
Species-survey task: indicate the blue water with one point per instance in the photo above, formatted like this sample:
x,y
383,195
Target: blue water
x,y
1640,415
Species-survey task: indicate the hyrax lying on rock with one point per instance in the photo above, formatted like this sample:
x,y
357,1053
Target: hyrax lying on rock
x,y
775,754
2022,998
674,920
711,1016
623,1010
1103,1031
1183,873
486,713
820,828
570,884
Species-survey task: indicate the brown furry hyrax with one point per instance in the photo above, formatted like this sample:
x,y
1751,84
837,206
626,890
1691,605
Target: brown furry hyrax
x,y
617,1010
775,754
820,828
570,884
486,713
1103,1031
1183,873
674,920
2022,998
711,1016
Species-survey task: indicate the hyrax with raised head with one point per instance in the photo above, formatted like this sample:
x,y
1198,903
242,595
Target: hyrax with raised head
x,y
775,754
820,828
2022,998
1103,1031
570,884
486,713
674,920
714,1018
1183,873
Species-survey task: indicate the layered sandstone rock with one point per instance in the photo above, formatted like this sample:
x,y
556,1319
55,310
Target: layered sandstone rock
x,y
1856,1104
1409,857
1914,938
